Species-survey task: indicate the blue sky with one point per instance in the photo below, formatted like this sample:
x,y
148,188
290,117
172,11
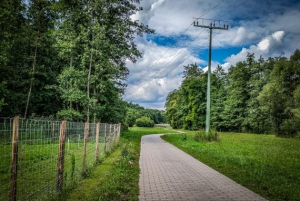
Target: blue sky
x,y
265,28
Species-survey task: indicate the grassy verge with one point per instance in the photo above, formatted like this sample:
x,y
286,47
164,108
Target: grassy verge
x,y
265,164
37,168
116,178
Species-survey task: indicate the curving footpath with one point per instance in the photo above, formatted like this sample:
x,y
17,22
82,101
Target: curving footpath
x,y
168,173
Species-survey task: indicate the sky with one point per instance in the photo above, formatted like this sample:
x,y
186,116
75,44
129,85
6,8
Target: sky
x,y
267,28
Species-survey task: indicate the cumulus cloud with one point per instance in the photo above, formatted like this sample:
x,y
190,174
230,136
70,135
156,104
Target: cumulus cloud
x,y
157,73
271,45
242,35
260,27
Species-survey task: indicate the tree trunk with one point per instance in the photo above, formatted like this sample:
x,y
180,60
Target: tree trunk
x,y
31,81
88,89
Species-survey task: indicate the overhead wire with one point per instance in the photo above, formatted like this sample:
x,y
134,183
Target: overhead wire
x,y
175,42
185,47
178,64
130,95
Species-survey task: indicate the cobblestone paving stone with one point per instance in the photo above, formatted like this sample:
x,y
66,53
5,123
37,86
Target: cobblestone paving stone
x,y
168,173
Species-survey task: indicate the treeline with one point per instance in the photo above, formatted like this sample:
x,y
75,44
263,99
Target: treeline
x,y
258,96
137,112
67,59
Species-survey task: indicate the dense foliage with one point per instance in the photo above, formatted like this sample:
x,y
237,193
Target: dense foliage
x,y
67,59
259,96
144,122
135,111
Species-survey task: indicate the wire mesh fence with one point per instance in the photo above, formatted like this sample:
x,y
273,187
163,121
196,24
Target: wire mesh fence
x,y
40,158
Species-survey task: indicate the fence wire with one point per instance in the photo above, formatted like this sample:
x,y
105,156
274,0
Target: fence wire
x,y
40,158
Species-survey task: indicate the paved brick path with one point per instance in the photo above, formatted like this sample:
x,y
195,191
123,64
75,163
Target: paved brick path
x,y
168,173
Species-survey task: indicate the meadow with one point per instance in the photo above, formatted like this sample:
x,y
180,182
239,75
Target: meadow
x,y
117,176
266,164
37,169
37,176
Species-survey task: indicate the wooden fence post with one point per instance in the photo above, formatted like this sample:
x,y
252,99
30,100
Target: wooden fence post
x,y
97,142
22,159
52,139
119,133
105,139
14,160
86,135
61,156
115,133
109,137
78,140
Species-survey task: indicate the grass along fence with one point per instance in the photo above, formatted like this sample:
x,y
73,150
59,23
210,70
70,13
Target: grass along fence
x,y
40,158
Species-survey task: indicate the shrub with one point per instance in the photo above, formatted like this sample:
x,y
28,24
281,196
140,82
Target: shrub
x,y
144,122
124,127
130,120
202,136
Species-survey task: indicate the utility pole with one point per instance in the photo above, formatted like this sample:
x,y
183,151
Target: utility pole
x,y
213,25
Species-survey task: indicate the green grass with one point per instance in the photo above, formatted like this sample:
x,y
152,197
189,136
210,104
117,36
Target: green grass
x,y
37,168
265,164
117,177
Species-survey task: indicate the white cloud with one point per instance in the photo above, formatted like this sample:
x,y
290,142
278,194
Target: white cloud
x,y
260,27
268,46
240,36
154,76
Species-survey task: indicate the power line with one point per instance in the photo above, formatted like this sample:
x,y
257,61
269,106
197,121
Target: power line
x,y
234,8
210,27
130,95
172,68
175,42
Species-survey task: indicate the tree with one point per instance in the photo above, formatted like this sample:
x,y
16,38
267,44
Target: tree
x,y
278,96
218,97
192,70
238,93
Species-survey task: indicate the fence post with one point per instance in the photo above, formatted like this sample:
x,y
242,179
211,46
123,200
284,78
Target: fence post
x,y
86,135
22,159
119,133
61,156
14,160
78,140
97,142
105,139
115,133
109,137
52,139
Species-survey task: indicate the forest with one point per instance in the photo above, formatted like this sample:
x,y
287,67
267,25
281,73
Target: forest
x,y
135,111
67,59
256,96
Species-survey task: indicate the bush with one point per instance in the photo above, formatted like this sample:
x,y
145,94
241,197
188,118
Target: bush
x,y
144,122
202,136
130,120
124,127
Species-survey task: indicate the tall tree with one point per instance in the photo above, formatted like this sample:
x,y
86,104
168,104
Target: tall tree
x,y
238,93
